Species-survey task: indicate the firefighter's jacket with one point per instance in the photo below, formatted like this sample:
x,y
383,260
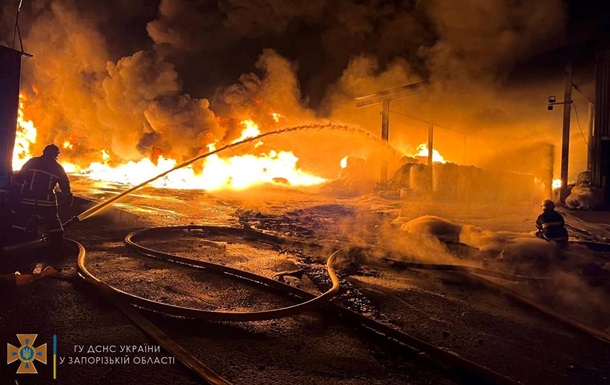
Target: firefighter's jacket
x,y
37,180
552,226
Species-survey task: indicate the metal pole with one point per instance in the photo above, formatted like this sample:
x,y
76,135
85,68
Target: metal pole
x,y
549,182
430,154
590,135
385,135
565,142
430,143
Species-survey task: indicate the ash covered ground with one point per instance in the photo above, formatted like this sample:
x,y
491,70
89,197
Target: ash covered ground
x,y
446,309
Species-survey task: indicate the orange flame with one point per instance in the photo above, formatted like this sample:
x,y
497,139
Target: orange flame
x,y
423,152
25,135
237,172
276,116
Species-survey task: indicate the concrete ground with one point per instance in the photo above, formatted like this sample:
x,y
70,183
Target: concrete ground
x,y
441,308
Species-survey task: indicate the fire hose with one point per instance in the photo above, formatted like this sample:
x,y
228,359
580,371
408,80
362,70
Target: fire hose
x,y
179,311
96,208
463,366
125,300
478,275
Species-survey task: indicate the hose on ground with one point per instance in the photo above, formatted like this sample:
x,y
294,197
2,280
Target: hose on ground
x,y
208,315
459,365
480,275
122,302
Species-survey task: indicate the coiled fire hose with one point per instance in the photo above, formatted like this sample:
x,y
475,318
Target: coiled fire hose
x,y
124,301
179,311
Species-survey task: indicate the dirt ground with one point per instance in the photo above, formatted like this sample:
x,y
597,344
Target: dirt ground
x,y
446,309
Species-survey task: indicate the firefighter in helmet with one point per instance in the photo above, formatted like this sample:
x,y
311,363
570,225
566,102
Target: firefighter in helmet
x,y
38,208
551,225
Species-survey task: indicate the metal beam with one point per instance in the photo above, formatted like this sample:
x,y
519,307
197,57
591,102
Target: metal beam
x,y
385,97
391,94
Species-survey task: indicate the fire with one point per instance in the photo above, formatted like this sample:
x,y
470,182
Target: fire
x,y
25,136
240,172
556,184
237,172
276,116
423,152
250,131
105,156
344,162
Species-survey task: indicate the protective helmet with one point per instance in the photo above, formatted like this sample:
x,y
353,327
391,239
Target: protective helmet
x,y
51,150
547,204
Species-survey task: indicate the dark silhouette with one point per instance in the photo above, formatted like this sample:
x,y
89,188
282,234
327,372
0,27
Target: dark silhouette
x,y
551,225
37,210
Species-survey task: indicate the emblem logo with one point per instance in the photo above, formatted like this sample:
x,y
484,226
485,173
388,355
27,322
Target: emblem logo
x,y
26,353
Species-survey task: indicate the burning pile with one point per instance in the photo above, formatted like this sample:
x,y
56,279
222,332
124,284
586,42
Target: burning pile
x,y
114,80
443,180
236,172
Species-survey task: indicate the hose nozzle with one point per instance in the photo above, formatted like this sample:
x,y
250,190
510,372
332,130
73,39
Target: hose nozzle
x,y
41,241
72,221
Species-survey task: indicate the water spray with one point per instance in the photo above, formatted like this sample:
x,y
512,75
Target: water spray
x,y
89,212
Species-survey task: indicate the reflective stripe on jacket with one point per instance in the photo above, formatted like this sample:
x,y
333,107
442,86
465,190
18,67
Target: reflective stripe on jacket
x,y
38,178
552,226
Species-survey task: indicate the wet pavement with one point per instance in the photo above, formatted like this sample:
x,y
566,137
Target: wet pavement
x,y
97,344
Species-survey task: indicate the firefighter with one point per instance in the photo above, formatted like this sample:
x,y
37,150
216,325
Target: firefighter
x,y
551,225
36,182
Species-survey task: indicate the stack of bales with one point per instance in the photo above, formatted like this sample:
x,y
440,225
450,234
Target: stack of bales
x,y
357,178
420,179
452,182
471,184
401,178
445,181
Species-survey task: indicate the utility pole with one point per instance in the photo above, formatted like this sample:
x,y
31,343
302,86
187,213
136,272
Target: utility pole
x,y
385,136
590,134
565,137
565,141
430,143
385,97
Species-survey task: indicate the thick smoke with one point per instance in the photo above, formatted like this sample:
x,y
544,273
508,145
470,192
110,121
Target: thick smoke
x,y
170,77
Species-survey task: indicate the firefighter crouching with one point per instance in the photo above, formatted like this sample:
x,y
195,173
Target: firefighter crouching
x,y
36,182
551,225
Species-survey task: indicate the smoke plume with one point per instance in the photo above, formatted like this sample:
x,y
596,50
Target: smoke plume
x,y
172,76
